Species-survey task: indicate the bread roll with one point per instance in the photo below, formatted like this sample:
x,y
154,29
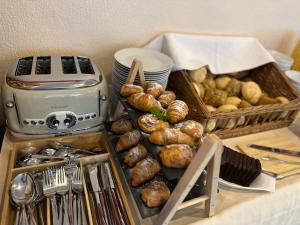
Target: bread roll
x,y
222,82
233,101
234,87
226,108
227,124
167,136
143,102
215,97
210,108
166,98
128,140
177,111
155,89
121,126
176,156
244,104
282,100
210,125
149,123
199,75
209,84
251,92
266,100
130,89
199,89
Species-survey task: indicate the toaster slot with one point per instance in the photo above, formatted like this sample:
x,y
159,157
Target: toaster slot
x,y
68,64
24,66
43,65
85,65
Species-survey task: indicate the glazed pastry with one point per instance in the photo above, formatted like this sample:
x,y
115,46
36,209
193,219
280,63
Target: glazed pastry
x,y
244,104
169,136
130,89
155,89
121,126
215,97
143,102
233,101
234,87
135,154
128,140
149,123
251,92
222,82
199,89
199,75
176,156
144,171
177,111
155,193
266,100
191,128
166,98
226,108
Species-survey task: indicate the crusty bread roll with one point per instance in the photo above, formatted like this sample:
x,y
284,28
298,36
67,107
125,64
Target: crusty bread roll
x,y
143,102
244,104
251,92
199,89
209,84
226,108
149,123
266,100
177,111
176,155
233,101
234,87
153,88
282,100
130,89
215,97
199,75
210,108
168,136
166,98
222,82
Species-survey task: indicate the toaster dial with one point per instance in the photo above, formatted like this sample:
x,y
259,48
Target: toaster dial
x,y
52,122
70,120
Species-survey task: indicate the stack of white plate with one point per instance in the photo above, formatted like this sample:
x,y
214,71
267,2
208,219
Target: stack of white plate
x,y
157,68
294,77
284,61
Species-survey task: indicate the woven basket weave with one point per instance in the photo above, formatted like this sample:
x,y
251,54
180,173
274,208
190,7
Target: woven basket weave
x,y
257,118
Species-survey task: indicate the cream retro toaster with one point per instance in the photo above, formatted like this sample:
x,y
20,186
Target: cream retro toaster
x,y
54,95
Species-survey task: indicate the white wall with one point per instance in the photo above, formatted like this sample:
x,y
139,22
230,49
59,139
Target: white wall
x,y
97,28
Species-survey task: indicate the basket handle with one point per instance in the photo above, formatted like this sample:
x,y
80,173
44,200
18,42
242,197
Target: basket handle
x,y
136,68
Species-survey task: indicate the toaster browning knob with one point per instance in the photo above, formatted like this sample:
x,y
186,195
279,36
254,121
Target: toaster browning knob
x,y
10,104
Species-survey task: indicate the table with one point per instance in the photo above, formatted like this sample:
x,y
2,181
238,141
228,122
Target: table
x,y
234,207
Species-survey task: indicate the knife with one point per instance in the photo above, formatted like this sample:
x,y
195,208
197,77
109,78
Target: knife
x,y
275,150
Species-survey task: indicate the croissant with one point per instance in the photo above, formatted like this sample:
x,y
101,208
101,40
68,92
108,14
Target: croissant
x,y
167,136
128,140
144,170
155,193
121,126
143,102
135,154
176,156
191,128
177,111
149,123
155,89
130,89
166,98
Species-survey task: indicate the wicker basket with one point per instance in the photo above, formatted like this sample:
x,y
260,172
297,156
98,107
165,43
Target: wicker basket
x,y
257,118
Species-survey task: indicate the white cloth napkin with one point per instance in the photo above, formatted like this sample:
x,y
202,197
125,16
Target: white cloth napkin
x,y
222,54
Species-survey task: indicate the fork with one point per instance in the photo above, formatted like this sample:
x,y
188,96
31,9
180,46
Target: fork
x,y
62,188
49,191
77,187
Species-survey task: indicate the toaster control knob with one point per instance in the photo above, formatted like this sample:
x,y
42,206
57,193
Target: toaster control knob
x,y
52,122
70,120
33,122
10,104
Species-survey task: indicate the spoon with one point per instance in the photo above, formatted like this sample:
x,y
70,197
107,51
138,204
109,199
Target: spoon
x,y
22,192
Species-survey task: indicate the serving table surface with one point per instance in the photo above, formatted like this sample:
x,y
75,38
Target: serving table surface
x,y
233,207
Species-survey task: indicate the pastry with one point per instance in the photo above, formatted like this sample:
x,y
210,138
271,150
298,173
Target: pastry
x,y
167,136
135,154
144,170
233,101
222,82
149,123
199,75
234,87
153,88
199,89
191,128
155,193
143,102
177,111
128,140
121,126
176,155
130,89
266,100
215,97
251,92
166,98
244,104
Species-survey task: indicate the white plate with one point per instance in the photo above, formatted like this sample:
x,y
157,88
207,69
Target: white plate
x,y
153,61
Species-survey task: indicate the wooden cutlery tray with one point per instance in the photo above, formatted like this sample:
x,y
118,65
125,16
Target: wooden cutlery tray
x,y
88,140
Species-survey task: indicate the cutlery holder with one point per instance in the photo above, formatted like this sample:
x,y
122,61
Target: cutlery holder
x,y
8,211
